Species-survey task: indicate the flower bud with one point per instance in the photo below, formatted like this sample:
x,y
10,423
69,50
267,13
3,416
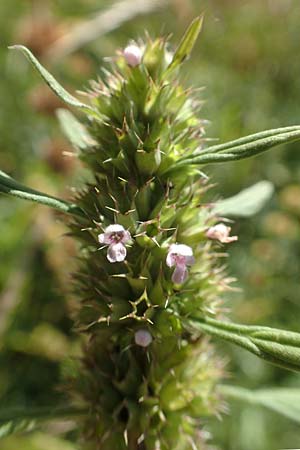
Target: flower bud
x,y
221,233
142,338
133,55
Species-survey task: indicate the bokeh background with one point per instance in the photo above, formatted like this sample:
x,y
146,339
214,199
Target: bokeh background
x,y
248,60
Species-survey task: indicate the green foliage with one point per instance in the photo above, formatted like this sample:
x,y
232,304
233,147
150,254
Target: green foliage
x,y
187,43
52,83
278,347
246,87
284,401
11,187
247,202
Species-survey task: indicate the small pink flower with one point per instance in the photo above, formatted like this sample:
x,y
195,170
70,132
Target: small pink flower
x,y
133,55
180,256
142,338
115,236
221,233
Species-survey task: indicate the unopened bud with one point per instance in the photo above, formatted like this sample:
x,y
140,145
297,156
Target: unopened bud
x,y
142,338
133,55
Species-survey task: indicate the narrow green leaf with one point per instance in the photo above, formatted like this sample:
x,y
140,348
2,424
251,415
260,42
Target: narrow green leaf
x,y
284,401
53,84
11,187
74,130
282,352
251,138
242,151
278,347
247,202
187,43
18,420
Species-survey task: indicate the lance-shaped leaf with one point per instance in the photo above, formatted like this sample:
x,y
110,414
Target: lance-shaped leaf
x,y
246,147
10,186
187,43
278,347
17,420
53,84
74,130
247,202
284,401
251,138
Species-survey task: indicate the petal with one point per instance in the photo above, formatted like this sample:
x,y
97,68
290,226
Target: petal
x,y
170,259
180,274
114,228
184,250
103,238
116,252
189,260
228,239
133,55
126,237
221,233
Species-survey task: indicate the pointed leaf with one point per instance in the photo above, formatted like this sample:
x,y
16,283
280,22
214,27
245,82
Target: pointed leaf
x,y
187,43
253,148
247,202
9,186
74,130
284,401
251,138
53,84
278,347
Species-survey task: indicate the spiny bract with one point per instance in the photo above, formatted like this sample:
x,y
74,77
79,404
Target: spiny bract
x,y
146,378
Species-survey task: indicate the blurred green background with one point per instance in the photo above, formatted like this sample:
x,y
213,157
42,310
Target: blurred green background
x,y
247,58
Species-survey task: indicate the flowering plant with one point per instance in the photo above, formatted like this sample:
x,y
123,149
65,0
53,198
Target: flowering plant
x,y
149,284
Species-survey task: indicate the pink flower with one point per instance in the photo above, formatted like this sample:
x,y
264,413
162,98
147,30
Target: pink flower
x,y
142,338
180,256
221,233
115,236
133,55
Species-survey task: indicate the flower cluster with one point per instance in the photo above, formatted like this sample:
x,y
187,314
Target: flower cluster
x,y
179,255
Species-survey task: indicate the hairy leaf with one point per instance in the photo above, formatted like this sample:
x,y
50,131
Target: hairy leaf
x,y
9,186
245,147
53,84
278,347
